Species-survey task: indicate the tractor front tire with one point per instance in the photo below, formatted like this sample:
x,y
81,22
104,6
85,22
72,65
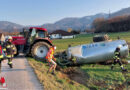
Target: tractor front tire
x,y
39,50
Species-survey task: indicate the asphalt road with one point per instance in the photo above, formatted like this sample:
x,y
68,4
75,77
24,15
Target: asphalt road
x,y
21,76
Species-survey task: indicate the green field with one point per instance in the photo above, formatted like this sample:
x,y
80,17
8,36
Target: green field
x,y
86,38
85,77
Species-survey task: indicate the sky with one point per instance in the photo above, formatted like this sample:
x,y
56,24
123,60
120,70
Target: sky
x,y
38,12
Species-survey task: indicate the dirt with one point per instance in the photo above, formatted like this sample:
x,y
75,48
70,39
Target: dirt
x,y
74,74
71,74
120,87
62,75
101,83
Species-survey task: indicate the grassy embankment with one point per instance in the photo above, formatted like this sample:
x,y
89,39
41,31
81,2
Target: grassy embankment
x,y
84,77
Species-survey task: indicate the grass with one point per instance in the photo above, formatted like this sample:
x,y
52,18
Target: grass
x,y
62,44
102,77
86,77
50,82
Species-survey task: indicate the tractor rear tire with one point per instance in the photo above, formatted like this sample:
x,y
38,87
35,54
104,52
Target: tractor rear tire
x,y
39,50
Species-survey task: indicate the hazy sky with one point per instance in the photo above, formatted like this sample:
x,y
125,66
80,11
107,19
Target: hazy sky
x,y
37,12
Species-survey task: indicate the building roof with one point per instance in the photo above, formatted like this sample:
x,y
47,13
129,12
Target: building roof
x,y
62,32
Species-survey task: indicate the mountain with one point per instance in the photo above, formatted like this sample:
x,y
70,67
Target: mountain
x,y
125,11
81,23
10,27
74,23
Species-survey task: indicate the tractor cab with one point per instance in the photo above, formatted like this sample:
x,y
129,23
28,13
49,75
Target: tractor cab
x,y
38,32
35,33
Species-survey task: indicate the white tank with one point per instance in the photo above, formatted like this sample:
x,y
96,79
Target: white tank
x,y
96,52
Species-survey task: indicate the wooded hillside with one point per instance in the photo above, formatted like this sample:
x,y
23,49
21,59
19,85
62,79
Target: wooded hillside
x,y
116,24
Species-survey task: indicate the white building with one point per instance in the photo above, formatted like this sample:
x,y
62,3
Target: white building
x,y
60,34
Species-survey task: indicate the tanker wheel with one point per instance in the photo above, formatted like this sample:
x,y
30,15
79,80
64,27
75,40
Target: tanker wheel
x,y
39,50
62,61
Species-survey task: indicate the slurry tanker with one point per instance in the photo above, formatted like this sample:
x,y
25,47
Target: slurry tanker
x,y
93,53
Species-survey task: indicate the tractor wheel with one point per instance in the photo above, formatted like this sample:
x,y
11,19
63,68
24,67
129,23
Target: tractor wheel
x,y
39,50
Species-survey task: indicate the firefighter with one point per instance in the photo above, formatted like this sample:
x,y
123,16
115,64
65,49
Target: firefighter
x,y
1,56
117,59
9,49
51,59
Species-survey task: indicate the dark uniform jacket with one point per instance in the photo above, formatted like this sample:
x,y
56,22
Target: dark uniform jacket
x,y
117,53
9,48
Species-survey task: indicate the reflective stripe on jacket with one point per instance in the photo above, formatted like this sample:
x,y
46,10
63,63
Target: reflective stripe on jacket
x,y
1,56
9,48
50,54
9,56
117,55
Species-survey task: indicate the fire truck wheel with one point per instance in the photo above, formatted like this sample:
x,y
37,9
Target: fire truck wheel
x,y
39,50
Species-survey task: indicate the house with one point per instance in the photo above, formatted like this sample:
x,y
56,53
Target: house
x,y
60,34
2,37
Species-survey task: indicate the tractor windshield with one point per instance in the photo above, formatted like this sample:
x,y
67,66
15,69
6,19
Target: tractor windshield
x,y
41,34
35,33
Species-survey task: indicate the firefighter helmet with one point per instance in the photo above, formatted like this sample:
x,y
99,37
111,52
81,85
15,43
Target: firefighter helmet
x,y
9,37
119,46
53,46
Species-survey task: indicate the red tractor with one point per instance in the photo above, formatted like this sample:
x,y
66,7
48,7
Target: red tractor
x,y
35,42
